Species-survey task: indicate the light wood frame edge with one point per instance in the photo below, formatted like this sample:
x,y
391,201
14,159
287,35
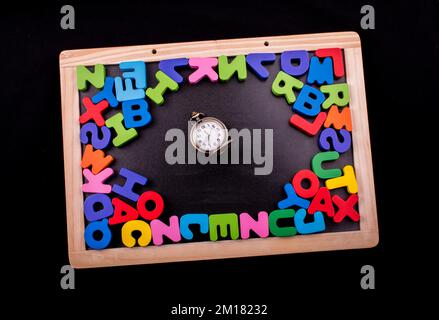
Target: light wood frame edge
x,y
366,237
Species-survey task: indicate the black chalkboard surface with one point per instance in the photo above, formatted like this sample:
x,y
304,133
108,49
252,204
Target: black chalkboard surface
x,y
224,188
219,188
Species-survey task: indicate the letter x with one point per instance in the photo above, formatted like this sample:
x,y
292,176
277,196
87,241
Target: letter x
x,y
346,208
94,111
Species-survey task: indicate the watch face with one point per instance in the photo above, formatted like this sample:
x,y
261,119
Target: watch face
x,y
208,134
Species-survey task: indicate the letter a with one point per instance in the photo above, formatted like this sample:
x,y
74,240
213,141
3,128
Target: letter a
x,y
68,21
368,20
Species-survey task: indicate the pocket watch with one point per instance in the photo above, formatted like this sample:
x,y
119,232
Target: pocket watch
x,y
208,134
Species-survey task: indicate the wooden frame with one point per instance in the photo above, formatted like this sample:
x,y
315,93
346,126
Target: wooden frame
x,y
366,237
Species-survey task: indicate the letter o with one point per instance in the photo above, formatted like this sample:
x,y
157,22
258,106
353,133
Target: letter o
x,y
89,234
154,197
305,174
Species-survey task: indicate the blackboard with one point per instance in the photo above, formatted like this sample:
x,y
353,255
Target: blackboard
x,y
228,188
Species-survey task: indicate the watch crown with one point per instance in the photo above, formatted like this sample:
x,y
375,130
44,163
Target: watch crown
x,y
196,115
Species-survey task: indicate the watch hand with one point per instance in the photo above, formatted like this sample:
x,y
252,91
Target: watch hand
x,y
208,139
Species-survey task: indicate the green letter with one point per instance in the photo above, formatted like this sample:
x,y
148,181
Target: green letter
x,y
226,69
281,231
223,220
316,164
96,78
164,83
122,134
283,85
338,95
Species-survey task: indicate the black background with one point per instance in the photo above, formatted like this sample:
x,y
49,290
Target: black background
x,y
399,57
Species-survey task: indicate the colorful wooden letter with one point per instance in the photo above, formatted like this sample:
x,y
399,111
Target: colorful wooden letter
x,y
103,202
329,138
123,212
322,202
298,179
320,72
96,78
160,229
295,63
309,101
260,226
136,225
292,199
227,69
200,219
94,111
318,225
339,119
347,180
164,83
223,220
102,227
319,158
309,128
284,84
125,90
346,208
96,159
337,58
95,182
281,231
168,67
135,70
106,93
123,135
135,113
131,179
204,68
338,95
153,197
255,62
94,130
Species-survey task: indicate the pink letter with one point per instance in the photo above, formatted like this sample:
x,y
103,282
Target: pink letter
x,y
204,68
159,229
247,223
95,181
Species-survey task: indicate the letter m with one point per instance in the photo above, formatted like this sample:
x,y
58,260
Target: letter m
x,y
223,221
